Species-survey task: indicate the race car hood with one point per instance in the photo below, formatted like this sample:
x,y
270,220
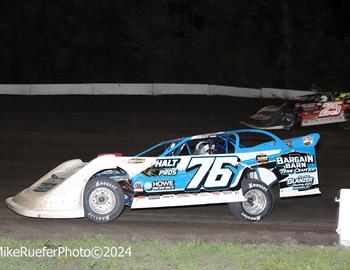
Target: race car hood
x,y
266,113
46,193
268,117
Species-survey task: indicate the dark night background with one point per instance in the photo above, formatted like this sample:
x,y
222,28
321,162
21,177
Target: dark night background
x,y
272,43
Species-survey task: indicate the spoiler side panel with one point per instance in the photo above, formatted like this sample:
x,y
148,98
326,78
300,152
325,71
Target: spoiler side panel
x,y
299,168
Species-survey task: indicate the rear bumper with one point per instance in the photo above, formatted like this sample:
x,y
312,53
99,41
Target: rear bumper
x,y
42,213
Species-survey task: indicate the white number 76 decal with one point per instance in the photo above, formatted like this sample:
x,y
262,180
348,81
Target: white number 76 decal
x,y
213,171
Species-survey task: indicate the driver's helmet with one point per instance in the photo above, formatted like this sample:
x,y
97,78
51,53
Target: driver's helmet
x,y
214,148
323,98
202,148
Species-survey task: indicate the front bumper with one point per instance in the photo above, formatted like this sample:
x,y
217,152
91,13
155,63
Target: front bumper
x,y
42,213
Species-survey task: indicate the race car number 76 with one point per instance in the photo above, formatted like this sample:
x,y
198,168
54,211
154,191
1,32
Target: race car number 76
x,y
215,172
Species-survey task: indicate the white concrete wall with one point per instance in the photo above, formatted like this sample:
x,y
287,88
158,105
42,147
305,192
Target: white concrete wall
x,y
219,90
60,89
180,89
282,93
121,89
15,89
147,89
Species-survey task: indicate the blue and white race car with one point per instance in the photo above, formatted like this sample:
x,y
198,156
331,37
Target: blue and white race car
x,y
235,167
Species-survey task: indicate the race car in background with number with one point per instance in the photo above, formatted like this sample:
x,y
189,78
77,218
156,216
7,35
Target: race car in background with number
x,y
234,167
316,109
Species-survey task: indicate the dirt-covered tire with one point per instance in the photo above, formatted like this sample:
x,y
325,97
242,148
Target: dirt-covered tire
x,y
103,200
288,121
259,202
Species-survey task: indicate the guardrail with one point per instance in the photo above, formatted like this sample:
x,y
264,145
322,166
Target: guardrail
x,y
147,89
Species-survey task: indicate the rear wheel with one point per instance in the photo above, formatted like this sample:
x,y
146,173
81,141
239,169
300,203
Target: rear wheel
x,y
103,200
259,201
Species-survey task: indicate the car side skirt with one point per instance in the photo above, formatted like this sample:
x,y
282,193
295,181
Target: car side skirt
x,y
321,121
185,199
284,193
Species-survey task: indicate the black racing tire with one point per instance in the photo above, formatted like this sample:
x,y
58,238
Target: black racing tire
x,y
254,191
288,121
103,200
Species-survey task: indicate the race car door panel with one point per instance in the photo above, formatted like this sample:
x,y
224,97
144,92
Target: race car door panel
x,y
186,180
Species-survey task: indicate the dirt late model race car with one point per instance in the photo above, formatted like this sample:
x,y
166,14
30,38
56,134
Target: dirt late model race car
x,y
316,109
234,167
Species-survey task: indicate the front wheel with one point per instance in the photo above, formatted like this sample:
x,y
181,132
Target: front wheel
x,y
288,121
103,200
259,201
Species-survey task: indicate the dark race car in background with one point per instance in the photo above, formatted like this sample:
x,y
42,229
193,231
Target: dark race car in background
x,y
315,109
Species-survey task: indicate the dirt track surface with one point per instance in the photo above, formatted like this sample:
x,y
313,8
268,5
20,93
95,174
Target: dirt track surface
x,y
37,133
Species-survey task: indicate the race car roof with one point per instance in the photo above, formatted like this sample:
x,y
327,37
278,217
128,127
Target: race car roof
x,y
170,145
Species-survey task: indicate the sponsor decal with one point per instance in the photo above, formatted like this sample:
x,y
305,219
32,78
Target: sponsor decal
x,y
262,158
206,136
159,185
163,185
254,218
167,172
103,183
167,163
49,183
181,195
289,143
147,186
136,160
168,196
297,171
295,163
293,159
302,182
307,140
253,185
138,187
153,197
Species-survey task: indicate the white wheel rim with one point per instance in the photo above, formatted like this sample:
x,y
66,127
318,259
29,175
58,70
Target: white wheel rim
x,y
256,202
102,200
